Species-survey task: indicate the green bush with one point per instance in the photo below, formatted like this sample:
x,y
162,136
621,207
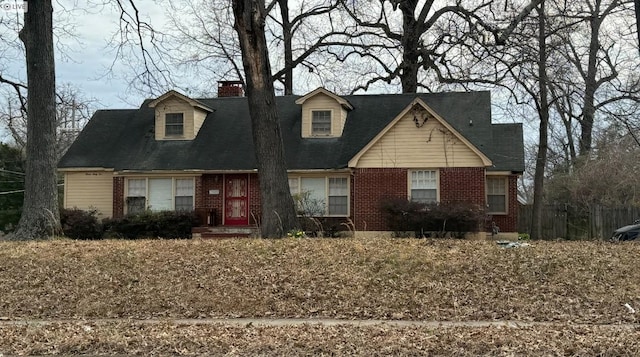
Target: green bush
x,y
9,219
167,224
433,220
79,224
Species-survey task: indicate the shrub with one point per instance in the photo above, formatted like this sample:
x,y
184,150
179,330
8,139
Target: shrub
x,y
432,220
166,224
79,224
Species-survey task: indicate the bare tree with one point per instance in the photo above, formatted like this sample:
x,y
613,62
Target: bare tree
x,y
204,40
40,216
606,177
72,113
278,211
430,36
602,73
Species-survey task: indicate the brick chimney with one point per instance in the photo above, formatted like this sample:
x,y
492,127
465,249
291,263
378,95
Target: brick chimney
x,y
230,89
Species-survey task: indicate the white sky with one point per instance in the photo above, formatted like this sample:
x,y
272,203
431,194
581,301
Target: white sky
x,y
84,57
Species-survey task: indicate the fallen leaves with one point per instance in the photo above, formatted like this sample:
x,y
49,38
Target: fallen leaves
x,y
442,280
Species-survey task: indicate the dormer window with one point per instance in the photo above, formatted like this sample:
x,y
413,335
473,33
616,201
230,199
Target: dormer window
x,y
178,117
321,122
174,124
323,114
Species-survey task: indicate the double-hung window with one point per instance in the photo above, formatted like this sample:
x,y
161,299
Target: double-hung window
x,y
497,194
159,194
174,124
338,196
321,122
424,186
136,196
321,196
184,194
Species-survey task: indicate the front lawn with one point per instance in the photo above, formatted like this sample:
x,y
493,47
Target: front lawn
x,y
445,280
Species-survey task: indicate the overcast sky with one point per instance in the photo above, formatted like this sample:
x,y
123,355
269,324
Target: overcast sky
x,y
83,58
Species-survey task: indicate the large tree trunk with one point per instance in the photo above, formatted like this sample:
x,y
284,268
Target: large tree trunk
x,y
288,47
410,47
589,108
543,146
40,216
278,212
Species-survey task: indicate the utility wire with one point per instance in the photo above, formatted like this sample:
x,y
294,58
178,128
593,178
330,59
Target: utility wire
x,y
13,172
18,191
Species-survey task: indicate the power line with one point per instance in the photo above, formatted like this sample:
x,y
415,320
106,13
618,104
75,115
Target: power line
x,y
18,191
13,172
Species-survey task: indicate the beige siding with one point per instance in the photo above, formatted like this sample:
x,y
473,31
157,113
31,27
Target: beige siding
x,y
198,119
323,102
175,105
88,190
431,145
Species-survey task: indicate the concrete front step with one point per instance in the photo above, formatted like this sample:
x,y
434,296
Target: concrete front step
x,y
224,232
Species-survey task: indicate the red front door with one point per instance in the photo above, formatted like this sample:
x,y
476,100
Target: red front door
x,y
236,200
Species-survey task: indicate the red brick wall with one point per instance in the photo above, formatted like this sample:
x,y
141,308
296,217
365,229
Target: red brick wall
x,y
464,184
255,203
118,197
509,222
369,188
205,202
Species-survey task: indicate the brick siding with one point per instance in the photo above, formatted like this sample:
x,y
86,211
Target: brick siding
x,y
462,184
118,197
369,188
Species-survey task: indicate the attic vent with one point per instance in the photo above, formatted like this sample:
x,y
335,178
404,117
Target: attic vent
x,y
230,89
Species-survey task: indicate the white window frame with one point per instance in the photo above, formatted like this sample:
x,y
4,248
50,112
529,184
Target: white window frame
x,y
323,133
166,125
505,181
295,187
174,190
436,187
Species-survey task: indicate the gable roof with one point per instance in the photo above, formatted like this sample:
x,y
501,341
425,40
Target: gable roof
x,y
173,93
343,102
124,139
420,103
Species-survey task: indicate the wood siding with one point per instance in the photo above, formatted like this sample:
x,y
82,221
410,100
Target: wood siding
x,y
198,119
175,105
430,146
323,102
88,190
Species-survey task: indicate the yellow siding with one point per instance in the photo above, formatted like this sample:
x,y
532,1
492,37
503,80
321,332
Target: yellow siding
x,y
323,102
431,145
198,120
175,105
88,190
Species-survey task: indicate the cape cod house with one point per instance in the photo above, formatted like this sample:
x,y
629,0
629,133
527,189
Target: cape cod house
x,y
347,152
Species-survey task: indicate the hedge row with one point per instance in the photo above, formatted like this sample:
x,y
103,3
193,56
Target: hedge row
x,y
79,224
433,220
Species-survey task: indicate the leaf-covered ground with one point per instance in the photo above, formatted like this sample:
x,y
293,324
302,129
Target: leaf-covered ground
x,y
566,283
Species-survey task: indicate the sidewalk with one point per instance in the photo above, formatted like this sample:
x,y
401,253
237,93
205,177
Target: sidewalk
x,y
314,321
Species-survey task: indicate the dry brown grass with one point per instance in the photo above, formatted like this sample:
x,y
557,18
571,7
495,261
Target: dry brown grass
x,y
563,282
315,340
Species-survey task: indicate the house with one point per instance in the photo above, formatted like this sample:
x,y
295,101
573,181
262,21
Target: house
x,y
346,152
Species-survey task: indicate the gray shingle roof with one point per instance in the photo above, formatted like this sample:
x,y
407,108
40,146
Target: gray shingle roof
x,y
124,139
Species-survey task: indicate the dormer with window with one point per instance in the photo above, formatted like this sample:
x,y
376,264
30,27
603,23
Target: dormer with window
x,y
323,114
178,117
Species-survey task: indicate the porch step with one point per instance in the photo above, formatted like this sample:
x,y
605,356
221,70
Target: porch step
x,y
219,232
